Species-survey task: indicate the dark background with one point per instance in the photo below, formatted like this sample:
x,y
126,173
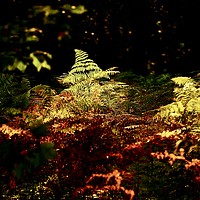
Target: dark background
x,y
146,36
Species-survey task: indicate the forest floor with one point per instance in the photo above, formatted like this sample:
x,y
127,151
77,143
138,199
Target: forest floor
x,y
130,155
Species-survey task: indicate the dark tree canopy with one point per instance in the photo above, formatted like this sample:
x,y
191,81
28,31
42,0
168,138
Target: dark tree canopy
x,y
143,36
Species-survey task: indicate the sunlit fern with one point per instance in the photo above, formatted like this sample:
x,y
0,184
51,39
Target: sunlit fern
x,y
85,69
91,86
186,106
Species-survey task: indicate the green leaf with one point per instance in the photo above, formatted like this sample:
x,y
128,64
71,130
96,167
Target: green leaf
x,y
32,38
39,129
194,105
18,170
40,61
80,9
47,10
34,159
47,151
17,65
21,66
182,80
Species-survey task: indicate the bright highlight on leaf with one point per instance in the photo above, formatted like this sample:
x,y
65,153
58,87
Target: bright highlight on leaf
x,y
39,60
80,9
17,65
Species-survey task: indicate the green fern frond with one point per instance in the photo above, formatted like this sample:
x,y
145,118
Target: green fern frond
x,y
92,88
194,105
95,96
85,69
13,92
181,81
112,71
186,105
173,110
12,111
41,94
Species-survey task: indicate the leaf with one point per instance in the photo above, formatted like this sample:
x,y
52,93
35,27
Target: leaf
x,y
181,108
80,9
182,80
18,170
193,147
46,9
17,65
32,38
39,63
34,159
177,145
47,151
39,129
194,105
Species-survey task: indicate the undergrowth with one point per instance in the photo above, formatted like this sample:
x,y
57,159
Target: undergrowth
x,y
127,138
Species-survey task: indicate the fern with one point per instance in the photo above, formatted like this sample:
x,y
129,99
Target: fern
x,y
181,81
14,94
92,87
42,91
85,69
41,97
186,107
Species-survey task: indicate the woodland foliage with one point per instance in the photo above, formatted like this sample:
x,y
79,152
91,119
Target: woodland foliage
x,y
98,134
95,138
